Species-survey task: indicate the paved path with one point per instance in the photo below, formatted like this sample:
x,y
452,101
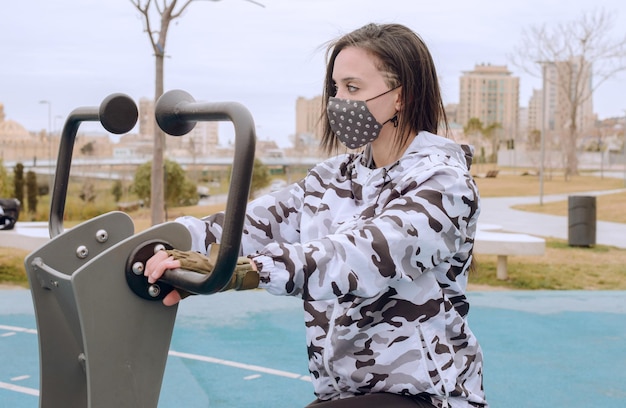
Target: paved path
x,y
498,211
25,235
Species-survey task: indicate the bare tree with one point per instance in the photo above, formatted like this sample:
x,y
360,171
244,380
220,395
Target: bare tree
x,y
165,11
581,55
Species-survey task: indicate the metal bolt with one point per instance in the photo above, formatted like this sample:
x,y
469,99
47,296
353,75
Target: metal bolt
x,y
154,290
138,268
159,247
102,236
82,252
82,360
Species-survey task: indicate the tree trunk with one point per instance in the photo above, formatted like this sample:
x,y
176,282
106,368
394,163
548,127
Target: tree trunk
x,y
571,155
157,194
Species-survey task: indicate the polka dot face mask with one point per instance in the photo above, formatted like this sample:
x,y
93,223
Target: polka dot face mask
x,y
353,123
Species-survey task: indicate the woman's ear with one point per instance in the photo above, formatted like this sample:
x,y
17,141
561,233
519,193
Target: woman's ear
x,y
398,100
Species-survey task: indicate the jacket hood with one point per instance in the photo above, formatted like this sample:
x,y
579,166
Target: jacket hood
x,y
428,144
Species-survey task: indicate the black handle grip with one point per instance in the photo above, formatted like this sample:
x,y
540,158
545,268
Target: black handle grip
x,y
176,113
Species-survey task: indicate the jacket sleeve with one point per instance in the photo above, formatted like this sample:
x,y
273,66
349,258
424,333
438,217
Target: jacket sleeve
x,y
271,218
426,223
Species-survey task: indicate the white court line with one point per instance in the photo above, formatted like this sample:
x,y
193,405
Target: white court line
x,y
197,357
18,388
250,367
18,329
13,387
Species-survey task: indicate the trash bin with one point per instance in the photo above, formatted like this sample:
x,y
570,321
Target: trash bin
x,y
581,220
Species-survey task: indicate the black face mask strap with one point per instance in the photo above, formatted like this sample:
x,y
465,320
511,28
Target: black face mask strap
x,y
384,93
394,119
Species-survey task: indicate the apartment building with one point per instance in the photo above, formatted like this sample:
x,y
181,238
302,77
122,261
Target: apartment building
x,y
491,94
567,82
308,130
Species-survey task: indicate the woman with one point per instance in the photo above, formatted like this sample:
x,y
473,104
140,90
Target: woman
x,y
378,244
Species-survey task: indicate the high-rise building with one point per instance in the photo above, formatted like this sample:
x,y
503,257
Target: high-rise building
x,y
202,141
531,134
308,130
535,104
568,82
491,94
146,117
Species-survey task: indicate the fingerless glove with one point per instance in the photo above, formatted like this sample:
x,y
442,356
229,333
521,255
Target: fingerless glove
x,y
244,276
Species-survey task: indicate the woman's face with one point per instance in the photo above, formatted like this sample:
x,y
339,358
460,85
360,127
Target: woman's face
x,y
356,77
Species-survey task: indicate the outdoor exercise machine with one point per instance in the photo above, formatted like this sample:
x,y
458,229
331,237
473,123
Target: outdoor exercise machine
x,y
103,331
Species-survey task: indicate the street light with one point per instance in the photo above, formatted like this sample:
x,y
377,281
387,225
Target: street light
x,y
544,108
624,147
49,143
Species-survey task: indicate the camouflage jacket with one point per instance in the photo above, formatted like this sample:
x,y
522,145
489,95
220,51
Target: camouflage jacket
x,y
380,258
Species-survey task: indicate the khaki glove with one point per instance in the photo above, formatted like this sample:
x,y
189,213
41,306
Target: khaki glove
x,y
244,276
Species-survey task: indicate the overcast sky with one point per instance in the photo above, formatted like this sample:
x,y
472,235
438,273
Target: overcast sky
x,y
74,53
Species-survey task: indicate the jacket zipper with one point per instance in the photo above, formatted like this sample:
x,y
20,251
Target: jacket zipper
x,y
439,370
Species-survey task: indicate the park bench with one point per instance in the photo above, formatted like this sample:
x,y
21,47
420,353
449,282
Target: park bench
x,y
489,174
492,174
489,241
130,206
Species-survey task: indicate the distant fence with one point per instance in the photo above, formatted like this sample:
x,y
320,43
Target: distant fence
x,y
554,159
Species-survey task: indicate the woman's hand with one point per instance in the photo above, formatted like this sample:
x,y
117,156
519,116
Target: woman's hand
x,y
156,267
245,275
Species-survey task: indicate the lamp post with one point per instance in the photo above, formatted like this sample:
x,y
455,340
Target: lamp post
x,y
624,148
544,108
49,169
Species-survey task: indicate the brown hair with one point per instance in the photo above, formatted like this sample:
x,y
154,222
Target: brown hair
x,y
404,61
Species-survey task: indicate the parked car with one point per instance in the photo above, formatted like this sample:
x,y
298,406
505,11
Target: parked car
x,y
9,212
203,192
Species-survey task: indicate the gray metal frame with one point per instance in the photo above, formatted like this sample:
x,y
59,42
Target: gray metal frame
x,y
100,344
102,341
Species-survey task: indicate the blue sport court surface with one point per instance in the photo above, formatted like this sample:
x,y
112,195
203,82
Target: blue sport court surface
x,y
247,349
